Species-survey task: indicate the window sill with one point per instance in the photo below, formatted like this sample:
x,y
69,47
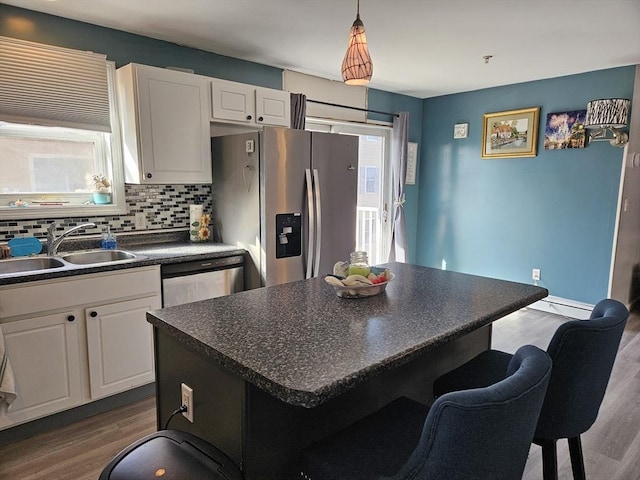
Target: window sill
x,y
62,211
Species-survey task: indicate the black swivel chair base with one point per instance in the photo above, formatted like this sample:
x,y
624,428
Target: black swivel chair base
x,y
550,458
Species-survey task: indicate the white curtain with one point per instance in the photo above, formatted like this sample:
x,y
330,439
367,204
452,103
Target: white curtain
x,y
399,140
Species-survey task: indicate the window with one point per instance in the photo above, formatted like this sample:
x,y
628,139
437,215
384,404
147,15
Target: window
x,y
49,160
369,180
47,171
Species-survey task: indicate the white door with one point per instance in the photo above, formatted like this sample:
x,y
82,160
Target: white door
x,y
45,358
120,346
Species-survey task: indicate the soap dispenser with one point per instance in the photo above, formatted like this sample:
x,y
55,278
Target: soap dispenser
x,y
109,241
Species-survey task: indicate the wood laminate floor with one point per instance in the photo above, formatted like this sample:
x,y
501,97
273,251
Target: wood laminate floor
x,y
611,447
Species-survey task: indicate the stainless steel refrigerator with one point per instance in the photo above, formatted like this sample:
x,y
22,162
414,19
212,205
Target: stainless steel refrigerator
x,y
289,198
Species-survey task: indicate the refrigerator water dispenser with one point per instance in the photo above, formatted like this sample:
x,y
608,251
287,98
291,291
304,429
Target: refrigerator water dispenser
x,y
288,235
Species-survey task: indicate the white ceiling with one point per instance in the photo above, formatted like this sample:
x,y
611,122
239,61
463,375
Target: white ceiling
x,y
422,48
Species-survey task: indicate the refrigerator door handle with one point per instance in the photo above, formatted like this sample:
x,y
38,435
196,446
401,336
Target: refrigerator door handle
x,y
312,223
316,181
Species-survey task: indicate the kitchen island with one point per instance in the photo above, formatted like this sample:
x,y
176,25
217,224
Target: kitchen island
x,y
275,369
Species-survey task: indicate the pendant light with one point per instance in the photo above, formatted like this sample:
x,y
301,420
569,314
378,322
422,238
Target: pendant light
x,y
357,67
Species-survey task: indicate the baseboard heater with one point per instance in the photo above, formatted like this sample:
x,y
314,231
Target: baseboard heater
x,y
564,307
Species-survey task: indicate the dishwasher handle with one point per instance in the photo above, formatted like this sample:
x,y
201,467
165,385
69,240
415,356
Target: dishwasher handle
x,y
196,266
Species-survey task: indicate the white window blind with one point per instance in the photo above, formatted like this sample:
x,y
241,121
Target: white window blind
x,y
53,86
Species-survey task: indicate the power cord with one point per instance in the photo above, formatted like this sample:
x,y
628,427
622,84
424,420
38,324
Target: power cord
x,y
183,408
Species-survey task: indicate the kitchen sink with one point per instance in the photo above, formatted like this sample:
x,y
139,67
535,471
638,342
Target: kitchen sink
x,y
98,256
30,264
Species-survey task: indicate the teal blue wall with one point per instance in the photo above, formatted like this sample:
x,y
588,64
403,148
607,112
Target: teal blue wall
x,y
503,217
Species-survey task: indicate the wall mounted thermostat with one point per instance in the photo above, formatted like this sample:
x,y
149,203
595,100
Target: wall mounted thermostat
x,y
460,130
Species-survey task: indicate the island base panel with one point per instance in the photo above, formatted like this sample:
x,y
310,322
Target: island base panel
x,y
218,395
264,435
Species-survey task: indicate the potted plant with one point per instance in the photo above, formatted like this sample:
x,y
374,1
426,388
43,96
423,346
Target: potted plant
x,y
101,189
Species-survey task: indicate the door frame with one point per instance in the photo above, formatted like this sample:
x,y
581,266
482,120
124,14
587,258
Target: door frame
x,y
380,130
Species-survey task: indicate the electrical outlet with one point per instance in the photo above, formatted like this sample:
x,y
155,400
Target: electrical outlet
x,y
535,274
141,221
187,400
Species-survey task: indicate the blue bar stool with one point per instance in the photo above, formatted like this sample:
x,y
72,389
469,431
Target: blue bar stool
x,y
583,353
474,434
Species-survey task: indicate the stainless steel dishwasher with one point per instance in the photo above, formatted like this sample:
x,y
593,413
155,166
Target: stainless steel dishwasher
x,y
188,282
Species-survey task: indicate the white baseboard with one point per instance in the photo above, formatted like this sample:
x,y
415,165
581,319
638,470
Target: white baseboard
x,y
564,307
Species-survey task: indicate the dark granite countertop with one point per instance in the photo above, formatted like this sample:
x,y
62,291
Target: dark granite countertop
x,y
156,249
304,345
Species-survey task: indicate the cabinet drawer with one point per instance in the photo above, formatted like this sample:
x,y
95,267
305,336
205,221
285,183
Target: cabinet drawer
x,y
50,295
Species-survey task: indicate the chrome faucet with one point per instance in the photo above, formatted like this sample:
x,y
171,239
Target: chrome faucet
x,y
54,242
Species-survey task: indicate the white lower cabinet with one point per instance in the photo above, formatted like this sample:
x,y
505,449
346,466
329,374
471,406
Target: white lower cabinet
x,y
120,346
76,339
45,358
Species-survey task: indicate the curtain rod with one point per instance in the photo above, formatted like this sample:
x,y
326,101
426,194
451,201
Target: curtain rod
x,y
353,108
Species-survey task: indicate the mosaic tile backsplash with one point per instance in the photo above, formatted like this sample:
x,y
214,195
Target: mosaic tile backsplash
x,y
165,206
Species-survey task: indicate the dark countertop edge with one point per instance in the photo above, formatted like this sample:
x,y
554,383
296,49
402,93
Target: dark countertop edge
x,y
310,399
143,250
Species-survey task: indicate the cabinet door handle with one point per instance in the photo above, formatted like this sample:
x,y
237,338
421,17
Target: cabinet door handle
x,y
260,119
249,117
71,318
149,175
94,314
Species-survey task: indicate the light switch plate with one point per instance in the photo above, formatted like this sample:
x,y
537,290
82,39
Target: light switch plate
x,y
141,221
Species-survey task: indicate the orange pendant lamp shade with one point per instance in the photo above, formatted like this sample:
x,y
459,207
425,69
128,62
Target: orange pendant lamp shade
x,y
357,67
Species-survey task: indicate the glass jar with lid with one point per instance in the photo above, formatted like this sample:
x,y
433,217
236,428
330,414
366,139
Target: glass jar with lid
x,y
359,264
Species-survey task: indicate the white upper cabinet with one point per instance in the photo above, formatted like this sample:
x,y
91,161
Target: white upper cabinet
x,y
232,101
165,125
246,104
273,107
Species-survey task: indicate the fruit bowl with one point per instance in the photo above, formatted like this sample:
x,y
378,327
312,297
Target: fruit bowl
x,y
357,290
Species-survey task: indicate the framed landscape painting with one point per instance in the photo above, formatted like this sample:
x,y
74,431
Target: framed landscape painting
x,y
510,134
565,130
